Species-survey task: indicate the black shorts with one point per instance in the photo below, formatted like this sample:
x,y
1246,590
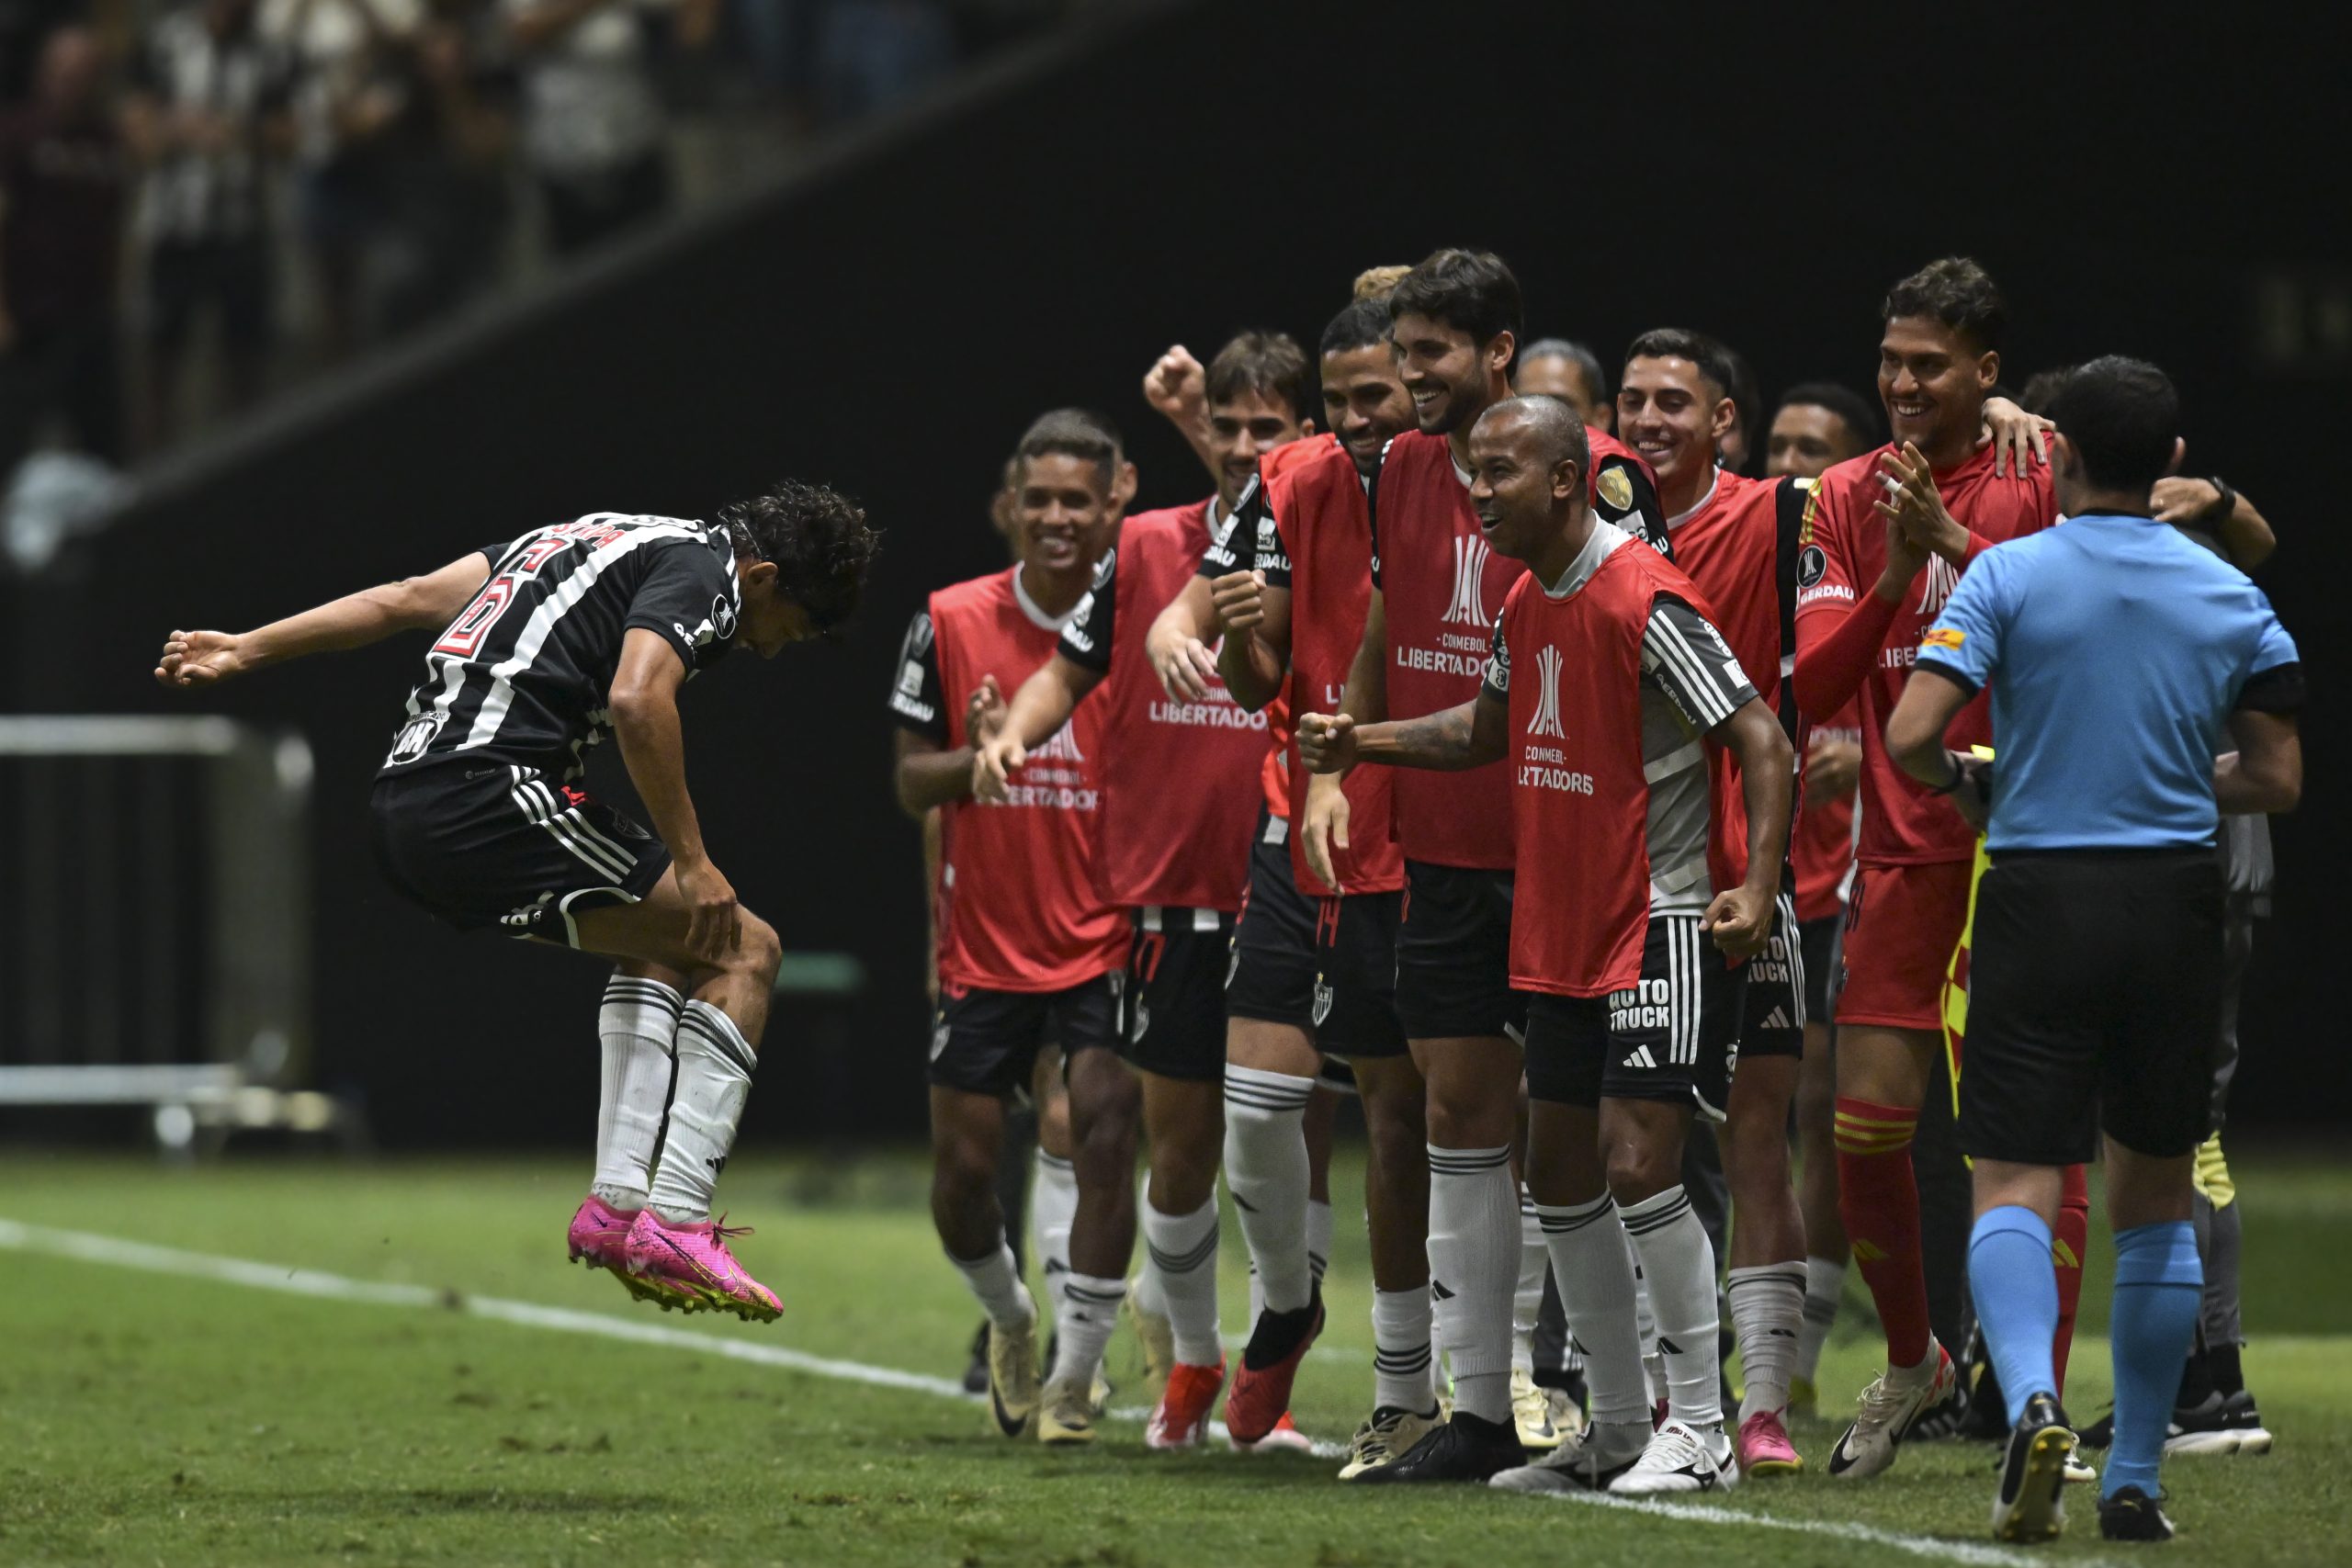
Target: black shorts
x,y
2095,983
987,1041
1674,1037
1172,1014
1453,954
1818,942
1355,976
1772,1007
1271,974
493,844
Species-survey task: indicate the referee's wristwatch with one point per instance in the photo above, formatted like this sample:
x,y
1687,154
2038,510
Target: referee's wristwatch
x,y
2226,500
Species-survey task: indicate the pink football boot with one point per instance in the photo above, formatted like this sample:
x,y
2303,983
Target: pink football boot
x,y
599,1238
692,1262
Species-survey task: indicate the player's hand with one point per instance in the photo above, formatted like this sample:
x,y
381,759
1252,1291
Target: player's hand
x,y
1240,599
2009,430
993,765
199,658
984,711
1323,825
1913,506
1740,920
2178,500
1326,743
1832,768
1184,665
1177,386
714,921
1973,799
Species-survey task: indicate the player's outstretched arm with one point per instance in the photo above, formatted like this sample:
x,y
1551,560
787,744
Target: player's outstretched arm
x,y
1178,388
1366,698
643,701
1740,918
1469,735
1256,653
932,774
414,604
1177,643
2245,535
1040,706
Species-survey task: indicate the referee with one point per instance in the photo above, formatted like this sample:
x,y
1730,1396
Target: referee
x,y
2116,651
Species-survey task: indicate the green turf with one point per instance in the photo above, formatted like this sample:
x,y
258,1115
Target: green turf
x,y
147,1420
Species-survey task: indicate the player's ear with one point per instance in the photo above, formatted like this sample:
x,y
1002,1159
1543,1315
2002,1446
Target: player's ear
x,y
1989,369
1500,352
756,574
2179,451
1123,488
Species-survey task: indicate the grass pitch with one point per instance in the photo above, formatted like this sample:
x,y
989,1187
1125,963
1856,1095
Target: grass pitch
x,y
403,1410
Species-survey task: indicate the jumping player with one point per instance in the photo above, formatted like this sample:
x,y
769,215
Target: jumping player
x,y
548,642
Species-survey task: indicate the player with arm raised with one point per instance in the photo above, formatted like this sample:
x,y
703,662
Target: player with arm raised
x,y
1630,1024
548,642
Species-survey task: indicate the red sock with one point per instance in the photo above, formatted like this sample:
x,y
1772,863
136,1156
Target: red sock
x,y
1880,1203
2068,1237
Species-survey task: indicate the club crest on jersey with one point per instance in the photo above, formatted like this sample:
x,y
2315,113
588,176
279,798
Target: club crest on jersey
x,y
1102,568
723,619
1812,564
1547,697
1469,606
1614,489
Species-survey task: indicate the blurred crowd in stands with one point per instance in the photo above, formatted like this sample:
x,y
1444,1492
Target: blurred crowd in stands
x,y
204,199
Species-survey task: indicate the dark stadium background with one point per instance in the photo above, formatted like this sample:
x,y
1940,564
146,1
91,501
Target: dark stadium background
x,y
890,320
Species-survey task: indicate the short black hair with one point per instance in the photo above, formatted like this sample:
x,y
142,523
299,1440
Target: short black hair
x,y
1472,291
819,540
1576,353
1363,324
2122,415
1713,360
2041,389
1856,411
1074,432
1555,422
1269,364
1956,292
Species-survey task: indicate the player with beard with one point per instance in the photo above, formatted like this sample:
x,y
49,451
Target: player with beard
x,y
1029,950
1868,584
1436,587
1620,677
1179,792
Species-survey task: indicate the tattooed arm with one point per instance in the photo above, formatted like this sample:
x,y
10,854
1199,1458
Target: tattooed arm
x,y
1469,736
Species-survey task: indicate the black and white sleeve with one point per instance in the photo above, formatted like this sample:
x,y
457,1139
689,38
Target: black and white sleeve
x,y
1086,637
1686,657
914,695
1497,682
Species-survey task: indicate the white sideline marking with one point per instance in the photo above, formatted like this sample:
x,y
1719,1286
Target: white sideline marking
x,y
87,1247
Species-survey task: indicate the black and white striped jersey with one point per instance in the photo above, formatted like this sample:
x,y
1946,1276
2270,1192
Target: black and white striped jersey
x,y
521,675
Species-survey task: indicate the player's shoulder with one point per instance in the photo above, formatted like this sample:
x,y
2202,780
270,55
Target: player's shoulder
x,y
1301,453
1606,448
1323,470
1842,479
1410,451
989,592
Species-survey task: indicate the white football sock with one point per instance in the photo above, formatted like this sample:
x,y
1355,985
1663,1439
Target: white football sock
x,y
714,1079
1089,1312
1766,1311
1646,1329
1179,1253
995,1279
1053,1204
1402,1369
1319,1238
637,1026
1595,1274
1473,1263
1265,1170
1527,1301
1679,1266
1824,1286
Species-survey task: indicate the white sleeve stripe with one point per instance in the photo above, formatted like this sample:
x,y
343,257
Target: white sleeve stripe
x,y
1710,703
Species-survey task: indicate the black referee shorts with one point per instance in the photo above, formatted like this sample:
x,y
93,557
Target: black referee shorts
x,y
493,845
2093,1003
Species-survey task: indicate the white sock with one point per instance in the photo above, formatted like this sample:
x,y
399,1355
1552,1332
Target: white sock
x,y
1679,1265
1319,1238
714,1079
1473,1263
1089,1312
1766,1311
1179,1253
1825,1285
1595,1273
1053,1204
1402,1369
1646,1329
1265,1170
1527,1301
638,1026
995,1279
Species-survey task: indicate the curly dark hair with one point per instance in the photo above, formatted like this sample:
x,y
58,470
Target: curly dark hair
x,y
817,538
1956,292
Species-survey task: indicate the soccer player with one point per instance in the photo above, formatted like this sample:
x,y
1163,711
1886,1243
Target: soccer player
x,y
1618,676
1029,950
1180,791
1436,587
1867,586
1314,972
1817,425
2080,1023
1555,367
549,642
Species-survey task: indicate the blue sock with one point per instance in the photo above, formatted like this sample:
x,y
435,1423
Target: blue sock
x,y
2016,1289
2159,1288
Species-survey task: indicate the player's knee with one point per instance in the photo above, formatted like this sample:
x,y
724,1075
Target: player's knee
x,y
1640,1170
759,953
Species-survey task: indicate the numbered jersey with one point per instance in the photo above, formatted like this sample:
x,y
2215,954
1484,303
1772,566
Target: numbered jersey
x,y
521,675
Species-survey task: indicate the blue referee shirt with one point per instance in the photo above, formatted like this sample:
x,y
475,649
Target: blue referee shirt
x,y
2116,649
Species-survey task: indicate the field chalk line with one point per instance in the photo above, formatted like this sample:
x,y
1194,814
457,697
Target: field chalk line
x,y
86,1247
